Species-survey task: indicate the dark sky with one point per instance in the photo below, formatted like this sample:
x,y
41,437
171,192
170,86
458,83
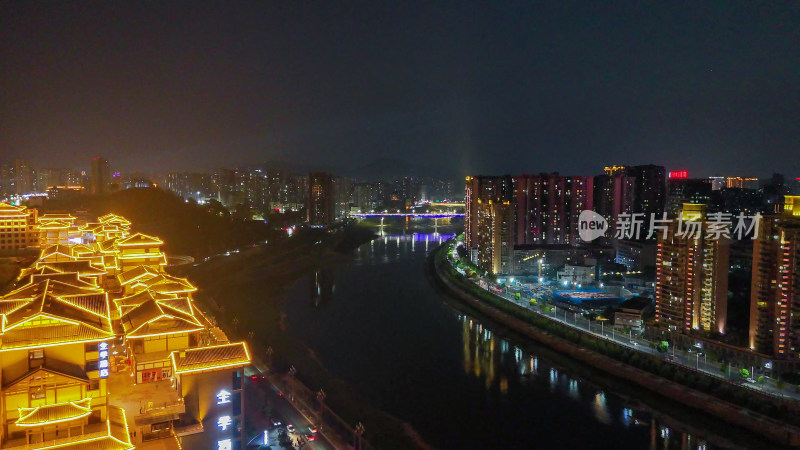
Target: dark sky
x,y
490,87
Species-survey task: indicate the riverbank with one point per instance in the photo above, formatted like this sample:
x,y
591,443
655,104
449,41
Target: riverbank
x,y
609,358
244,292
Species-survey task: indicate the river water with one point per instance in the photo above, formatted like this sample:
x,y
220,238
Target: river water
x,y
380,325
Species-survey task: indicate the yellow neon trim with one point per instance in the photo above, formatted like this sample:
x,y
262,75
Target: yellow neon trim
x,y
212,367
64,299
87,411
128,336
110,336
44,315
242,343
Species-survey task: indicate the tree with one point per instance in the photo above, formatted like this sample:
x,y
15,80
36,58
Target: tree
x,y
516,296
780,385
744,373
761,379
663,346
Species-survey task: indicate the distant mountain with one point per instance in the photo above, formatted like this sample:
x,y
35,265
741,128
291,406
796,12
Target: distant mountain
x,y
380,169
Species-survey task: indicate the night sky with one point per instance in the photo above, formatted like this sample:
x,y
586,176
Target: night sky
x,y
490,87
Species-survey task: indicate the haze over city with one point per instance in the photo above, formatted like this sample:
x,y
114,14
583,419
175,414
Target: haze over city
x,y
251,225
474,88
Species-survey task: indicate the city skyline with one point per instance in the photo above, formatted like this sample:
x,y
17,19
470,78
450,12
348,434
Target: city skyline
x,y
475,89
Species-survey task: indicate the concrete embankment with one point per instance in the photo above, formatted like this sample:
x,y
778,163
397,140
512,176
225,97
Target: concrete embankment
x,y
774,430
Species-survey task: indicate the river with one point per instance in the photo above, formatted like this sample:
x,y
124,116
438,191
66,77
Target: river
x,y
379,324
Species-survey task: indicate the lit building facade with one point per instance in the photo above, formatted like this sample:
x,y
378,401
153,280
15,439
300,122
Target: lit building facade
x,y
101,176
18,227
548,207
775,287
691,276
321,206
97,354
489,223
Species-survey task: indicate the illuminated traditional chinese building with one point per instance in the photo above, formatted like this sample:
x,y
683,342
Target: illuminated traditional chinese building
x,y
55,229
17,227
140,250
100,348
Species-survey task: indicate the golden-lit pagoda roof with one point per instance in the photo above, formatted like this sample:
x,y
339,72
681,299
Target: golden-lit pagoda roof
x,y
55,216
152,318
79,250
7,210
166,284
114,218
53,225
136,273
139,239
82,266
57,413
125,304
53,372
90,226
182,304
50,286
210,358
74,314
56,249
70,278
114,436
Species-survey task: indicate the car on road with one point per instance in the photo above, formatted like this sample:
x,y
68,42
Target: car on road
x,y
275,422
290,428
311,437
312,429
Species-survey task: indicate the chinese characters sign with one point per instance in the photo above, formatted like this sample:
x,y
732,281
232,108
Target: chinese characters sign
x,y
102,365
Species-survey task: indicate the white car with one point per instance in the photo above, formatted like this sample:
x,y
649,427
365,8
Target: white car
x,y
290,428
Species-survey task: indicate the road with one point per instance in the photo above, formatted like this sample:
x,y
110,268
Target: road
x,y
281,410
543,294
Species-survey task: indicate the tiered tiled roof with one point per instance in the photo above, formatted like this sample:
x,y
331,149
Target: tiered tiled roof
x,y
7,210
75,314
211,358
154,318
139,239
59,412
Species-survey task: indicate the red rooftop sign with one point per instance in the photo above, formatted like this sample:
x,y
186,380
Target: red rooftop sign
x,y
679,174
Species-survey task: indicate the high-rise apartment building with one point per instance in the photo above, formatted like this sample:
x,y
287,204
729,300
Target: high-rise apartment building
x,y
686,190
101,176
24,175
649,190
548,207
489,225
614,193
742,182
775,288
321,199
691,275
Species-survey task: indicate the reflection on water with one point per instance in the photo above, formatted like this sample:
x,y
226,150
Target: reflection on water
x,y
322,286
492,358
380,326
395,247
